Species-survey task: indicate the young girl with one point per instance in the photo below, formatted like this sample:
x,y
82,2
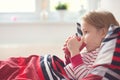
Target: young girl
x,y
100,58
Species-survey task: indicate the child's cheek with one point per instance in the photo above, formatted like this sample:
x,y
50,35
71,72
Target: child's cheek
x,y
85,39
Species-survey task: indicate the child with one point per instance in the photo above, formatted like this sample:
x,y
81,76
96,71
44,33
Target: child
x,y
100,59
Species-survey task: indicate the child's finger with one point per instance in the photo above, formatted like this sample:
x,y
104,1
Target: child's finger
x,y
67,39
78,38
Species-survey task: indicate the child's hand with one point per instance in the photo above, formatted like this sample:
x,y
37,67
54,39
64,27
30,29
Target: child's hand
x,y
75,45
66,51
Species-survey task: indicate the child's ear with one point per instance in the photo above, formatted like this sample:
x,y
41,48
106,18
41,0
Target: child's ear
x,y
103,32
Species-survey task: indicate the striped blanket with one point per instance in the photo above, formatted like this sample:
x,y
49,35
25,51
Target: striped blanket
x,y
33,68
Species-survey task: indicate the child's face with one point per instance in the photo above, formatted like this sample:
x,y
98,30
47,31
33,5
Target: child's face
x,y
92,36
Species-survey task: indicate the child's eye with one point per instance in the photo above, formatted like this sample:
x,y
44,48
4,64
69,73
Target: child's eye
x,y
85,32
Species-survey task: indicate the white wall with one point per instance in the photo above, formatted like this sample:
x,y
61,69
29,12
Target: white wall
x,y
113,6
24,39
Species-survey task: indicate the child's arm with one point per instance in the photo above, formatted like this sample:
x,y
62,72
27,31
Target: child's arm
x,y
80,66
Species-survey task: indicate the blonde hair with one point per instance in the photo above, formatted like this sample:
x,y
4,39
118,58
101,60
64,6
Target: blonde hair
x,y
100,19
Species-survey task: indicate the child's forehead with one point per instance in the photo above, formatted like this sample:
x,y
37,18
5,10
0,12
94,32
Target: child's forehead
x,y
85,26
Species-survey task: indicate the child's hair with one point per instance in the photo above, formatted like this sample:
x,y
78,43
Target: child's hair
x,y
100,19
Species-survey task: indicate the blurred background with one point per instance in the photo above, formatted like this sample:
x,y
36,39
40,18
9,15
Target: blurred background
x,y
39,27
